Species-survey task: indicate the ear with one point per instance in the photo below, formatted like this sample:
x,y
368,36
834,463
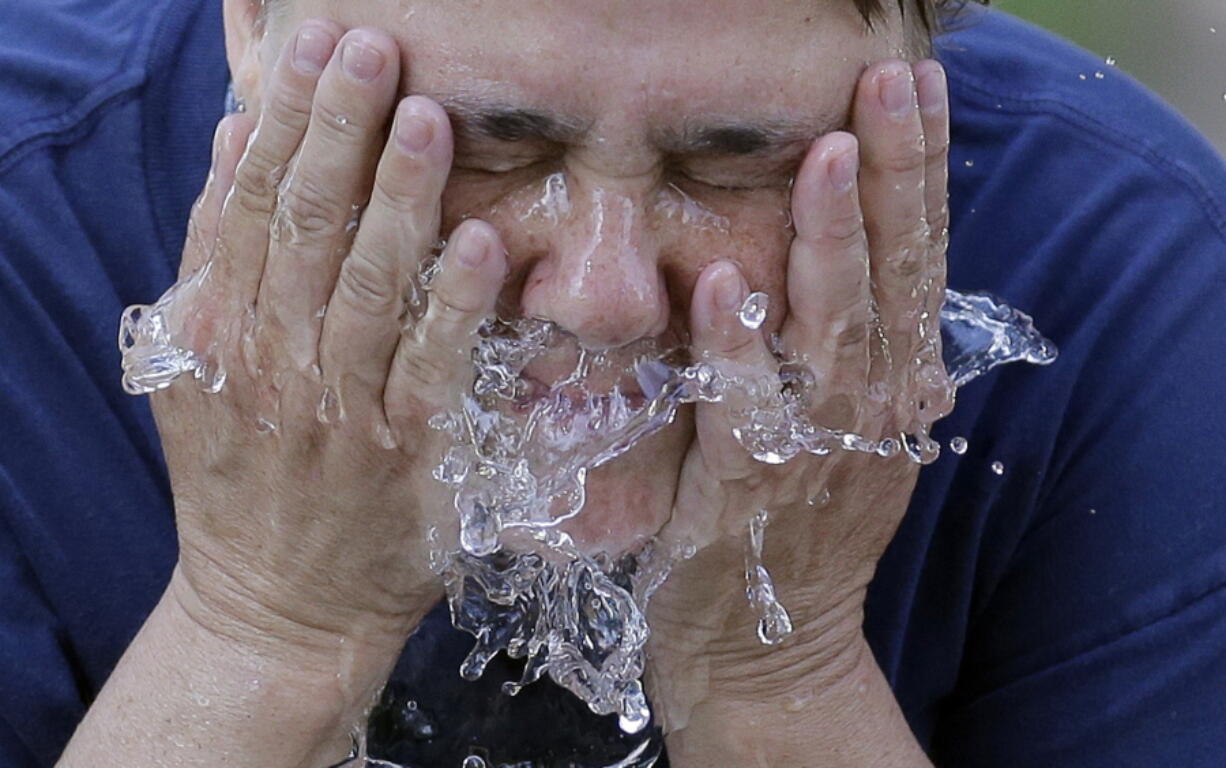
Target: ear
x,y
244,24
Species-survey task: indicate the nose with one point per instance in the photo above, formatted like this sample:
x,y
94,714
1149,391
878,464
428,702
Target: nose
x,y
600,276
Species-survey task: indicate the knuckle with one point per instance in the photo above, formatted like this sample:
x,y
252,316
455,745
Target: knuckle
x,y
338,125
449,309
401,192
902,157
311,208
907,263
845,233
850,335
424,365
287,113
739,348
364,285
254,192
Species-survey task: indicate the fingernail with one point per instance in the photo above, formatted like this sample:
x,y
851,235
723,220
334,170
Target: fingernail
x,y
472,249
843,168
360,61
930,83
413,132
897,91
729,291
311,50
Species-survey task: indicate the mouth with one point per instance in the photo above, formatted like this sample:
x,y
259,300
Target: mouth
x,y
567,399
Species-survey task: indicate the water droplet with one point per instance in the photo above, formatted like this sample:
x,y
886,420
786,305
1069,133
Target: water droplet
x,y
1110,61
385,437
1081,76
329,409
473,761
889,448
342,119
264,426
429,271
970,163
998,467
819,499
752,313
1099,75
958,445
1093,511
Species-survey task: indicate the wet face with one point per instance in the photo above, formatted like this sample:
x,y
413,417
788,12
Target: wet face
x,y
619,147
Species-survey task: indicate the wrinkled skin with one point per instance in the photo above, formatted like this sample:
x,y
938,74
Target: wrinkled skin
x,y
322,526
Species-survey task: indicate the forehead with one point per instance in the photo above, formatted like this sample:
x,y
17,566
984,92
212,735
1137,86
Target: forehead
x,y
631,60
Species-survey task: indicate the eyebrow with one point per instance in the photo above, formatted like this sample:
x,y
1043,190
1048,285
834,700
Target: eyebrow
x,y
724,136
476,118
509,123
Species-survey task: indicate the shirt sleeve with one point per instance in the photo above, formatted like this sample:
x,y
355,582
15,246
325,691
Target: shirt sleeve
x,y
40,700
1103,641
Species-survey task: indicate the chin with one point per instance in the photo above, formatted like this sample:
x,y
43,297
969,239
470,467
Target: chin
x,y
630,499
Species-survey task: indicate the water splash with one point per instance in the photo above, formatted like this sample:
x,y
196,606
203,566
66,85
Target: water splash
x,y
980,332
153,341
774,623
521,453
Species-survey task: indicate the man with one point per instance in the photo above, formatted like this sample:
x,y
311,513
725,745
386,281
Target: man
x,y
1064,609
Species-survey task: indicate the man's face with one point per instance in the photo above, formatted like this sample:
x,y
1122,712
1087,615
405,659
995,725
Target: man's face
x,y
619,147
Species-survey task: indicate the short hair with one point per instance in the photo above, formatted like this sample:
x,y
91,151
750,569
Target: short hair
x,y
931,14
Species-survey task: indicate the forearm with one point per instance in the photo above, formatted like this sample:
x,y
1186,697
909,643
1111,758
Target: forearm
x,y
185,695
842,716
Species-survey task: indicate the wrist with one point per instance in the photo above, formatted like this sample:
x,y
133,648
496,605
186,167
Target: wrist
x,y
329,675
826,645
199,690
277,619
705,643
838,713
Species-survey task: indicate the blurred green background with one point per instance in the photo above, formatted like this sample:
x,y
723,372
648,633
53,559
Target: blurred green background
x,y
1176,47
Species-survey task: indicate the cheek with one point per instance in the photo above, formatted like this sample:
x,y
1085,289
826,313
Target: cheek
x,y
757,237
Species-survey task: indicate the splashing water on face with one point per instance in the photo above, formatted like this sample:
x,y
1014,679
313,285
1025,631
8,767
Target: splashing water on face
x,y
519,460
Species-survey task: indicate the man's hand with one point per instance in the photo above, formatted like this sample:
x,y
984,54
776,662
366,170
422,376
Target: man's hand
x,y
865,285
302,490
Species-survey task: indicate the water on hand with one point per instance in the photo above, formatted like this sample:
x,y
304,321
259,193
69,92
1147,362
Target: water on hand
x,y
519,461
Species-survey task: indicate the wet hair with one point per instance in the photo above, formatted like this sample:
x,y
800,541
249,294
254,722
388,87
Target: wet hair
x,y
931,14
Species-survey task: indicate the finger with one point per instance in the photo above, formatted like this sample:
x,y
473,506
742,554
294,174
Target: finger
x,y
229,141
721,339
934,391
362,324
887,122
433,356
934,114
829,288
326,183
285,111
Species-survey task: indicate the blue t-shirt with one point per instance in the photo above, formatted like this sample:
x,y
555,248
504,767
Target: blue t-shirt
x,y
1068,612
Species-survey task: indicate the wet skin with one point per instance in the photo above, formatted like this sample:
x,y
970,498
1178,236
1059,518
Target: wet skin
x,y
637,104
